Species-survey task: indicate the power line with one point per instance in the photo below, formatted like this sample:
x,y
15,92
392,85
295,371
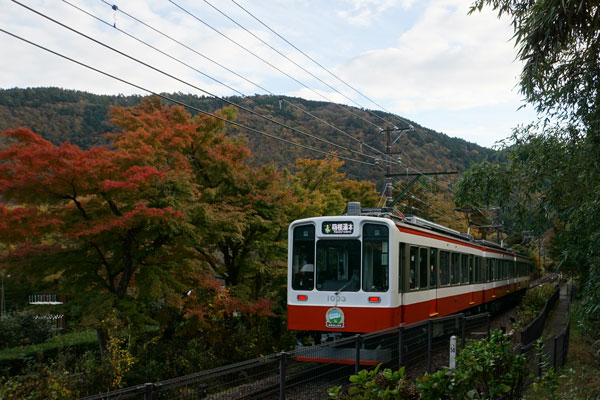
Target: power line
x,y
178,79
158,31
424,143
314,61
153,47
218,81
296,64
289,59
420,173
435,210
404,121
265,61
179,102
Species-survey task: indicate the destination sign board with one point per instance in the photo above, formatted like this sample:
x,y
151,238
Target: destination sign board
x,y
338,228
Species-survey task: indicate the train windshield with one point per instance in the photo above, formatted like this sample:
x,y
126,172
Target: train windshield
x,y
303,258
375,258
338,265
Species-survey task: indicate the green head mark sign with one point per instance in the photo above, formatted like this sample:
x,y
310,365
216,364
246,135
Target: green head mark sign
x,y
334,318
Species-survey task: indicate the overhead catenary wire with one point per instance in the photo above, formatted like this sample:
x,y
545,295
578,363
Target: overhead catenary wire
x,y
290,60
267,62
160,32
435,210
316,62
424,143
404,121
239,25
381,198
416,171
175,101
222,83
174,77
153,47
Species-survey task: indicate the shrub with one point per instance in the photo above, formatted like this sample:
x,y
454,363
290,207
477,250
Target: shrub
x,y
40,382
377,385
24,328
486,369
533,303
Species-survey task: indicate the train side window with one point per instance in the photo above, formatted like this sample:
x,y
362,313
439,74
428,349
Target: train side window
x,y
444,268
433,268
464,268
412,273
303,258
494,269
521,269
471,269
455,269
401,266
477,269
375,258
423,267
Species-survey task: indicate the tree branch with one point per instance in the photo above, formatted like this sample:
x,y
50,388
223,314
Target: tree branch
x,y
112,205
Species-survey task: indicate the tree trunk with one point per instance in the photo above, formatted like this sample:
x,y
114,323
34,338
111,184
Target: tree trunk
x,y
102,336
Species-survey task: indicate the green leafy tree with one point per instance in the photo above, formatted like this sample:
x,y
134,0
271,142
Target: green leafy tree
x,y
321,189
559,43
553,167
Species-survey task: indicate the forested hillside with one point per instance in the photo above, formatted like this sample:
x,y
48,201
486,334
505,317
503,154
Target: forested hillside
x,y
83,118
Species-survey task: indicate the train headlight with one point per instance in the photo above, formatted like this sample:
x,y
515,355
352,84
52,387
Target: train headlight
x,y
302,297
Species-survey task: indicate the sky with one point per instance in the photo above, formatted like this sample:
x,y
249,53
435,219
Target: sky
x,y
424,60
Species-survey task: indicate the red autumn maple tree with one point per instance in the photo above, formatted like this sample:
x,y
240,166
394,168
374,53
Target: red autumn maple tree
x,y
172,207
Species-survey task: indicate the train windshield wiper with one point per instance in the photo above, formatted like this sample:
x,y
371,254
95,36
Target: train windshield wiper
x,y
343,287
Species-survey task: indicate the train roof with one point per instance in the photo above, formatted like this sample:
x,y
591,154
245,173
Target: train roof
x,y
354,209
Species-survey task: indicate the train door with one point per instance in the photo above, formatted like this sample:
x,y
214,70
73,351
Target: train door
x,y
472,268
433,281
402,277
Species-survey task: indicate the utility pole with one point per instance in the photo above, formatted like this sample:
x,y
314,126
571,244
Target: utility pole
x,y
388,152
389,200
388,169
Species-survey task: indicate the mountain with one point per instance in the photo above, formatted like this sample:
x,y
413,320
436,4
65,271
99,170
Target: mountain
x,y
82,118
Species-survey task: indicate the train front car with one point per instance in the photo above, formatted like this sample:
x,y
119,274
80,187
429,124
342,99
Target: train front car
x,y
340,275
372,270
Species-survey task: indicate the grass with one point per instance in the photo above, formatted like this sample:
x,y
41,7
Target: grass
x,y
581,375
579,379
56,343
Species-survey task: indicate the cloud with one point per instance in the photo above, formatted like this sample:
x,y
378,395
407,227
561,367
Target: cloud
x,y
364,12
446,60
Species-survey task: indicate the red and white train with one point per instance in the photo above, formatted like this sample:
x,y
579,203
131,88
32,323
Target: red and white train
x,y
371,269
